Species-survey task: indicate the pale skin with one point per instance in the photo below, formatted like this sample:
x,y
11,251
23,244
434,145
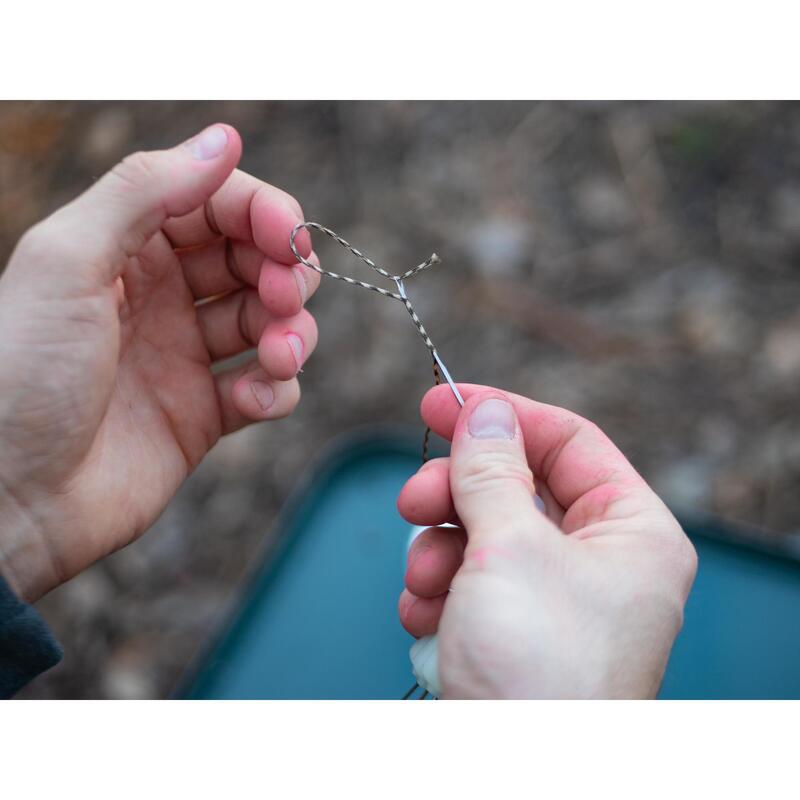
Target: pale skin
x,y
584,601
113,312
107,398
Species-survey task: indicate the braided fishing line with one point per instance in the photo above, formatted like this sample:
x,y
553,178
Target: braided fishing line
x,y
439,370
400,295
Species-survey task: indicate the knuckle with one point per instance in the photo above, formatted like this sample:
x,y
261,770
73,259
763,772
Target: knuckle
x,y
487,471
666,579
312,281
312,276
677,554
35,242
251,316
293,203
134,170
136,177
587,427
685,556
313,331
143,172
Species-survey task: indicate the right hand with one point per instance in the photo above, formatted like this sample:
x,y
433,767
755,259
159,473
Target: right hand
x,y
583,601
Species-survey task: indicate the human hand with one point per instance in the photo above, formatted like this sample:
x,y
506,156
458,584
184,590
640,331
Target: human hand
x,y
112,312
584,601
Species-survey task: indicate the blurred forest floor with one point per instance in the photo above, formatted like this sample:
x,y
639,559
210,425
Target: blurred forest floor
x,y
637,263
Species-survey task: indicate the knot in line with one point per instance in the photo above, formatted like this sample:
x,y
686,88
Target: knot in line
x,y
398,279
400,295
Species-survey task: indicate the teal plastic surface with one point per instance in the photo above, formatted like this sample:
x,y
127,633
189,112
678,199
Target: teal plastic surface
x,y
741,637
318,619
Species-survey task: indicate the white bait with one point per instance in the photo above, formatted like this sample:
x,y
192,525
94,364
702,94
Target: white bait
x,y
425,664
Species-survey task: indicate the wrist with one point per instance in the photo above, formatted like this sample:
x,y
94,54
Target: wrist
x,y
25,563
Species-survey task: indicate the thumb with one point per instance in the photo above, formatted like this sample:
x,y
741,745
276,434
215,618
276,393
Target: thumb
x,y
115,218
490,480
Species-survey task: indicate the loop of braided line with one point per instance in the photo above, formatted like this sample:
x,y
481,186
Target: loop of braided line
x,y
434,259
400,295
398,279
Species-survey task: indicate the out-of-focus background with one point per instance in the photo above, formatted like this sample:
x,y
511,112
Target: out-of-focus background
x,y
637,263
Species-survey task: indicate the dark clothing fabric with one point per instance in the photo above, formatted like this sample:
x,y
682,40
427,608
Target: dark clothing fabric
x,y
27,647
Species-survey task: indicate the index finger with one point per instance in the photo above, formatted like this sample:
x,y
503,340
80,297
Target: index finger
x,y
572,455
247,209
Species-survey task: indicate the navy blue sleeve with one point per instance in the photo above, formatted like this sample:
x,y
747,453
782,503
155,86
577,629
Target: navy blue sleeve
x,y
27,647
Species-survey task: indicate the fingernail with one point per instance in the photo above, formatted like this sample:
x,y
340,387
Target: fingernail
x,y
263,393
493,419
301,283
423,548
408,602
209,144
296,343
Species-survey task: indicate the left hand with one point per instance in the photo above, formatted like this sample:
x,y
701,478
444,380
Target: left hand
x,y
112,312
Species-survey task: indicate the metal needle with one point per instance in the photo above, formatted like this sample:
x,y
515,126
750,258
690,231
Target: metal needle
x,y
401,290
